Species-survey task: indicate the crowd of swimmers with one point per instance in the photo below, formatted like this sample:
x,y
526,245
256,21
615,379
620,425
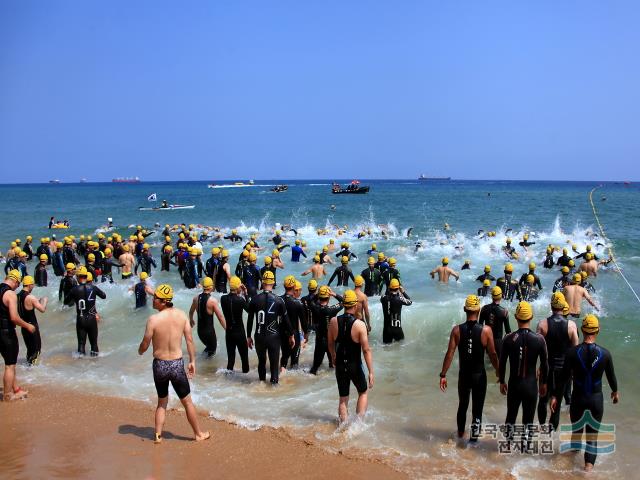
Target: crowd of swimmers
x,y
544,366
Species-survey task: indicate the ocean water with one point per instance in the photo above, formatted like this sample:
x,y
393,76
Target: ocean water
x,y
410,422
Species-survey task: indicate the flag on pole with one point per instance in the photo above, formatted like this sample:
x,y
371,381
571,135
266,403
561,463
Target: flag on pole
x,y
152,197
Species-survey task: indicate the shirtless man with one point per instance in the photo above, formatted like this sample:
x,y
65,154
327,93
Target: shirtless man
x,y
362,309
590,264
276,261
316,270
127,261
574,294
444,272
165,331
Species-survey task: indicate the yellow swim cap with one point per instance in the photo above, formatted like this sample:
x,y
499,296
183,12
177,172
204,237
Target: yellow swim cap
x,y
144,276
267,260
164,292
359,281
316,259
524,312
496,293
371,261
107,251
577,278
589,256
558,301
345,259
532,266
508,268
289,281
125,248
380,256
42,257
207,282
82,271
312,285
394,284
28,280
324,292
91,257
350,299
487,268
486,282
215,250
268,278
565,270
445,261
253,257
508,241
245,254
373,246
472,303
298,285
584,274
298,242
531,279
235,283
392,262
71,266
15,275
89,277
590,324
225,253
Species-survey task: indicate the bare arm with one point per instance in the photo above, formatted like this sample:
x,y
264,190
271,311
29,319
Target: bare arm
x,y
40,305
218,312
454,274
306,272
365,309
332,336
191,349
573,333
146,339
194,306
542,327
11,302
454,338
590,300
366,349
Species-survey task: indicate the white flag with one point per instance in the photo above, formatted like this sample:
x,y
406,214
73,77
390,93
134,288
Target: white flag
x,y
152,197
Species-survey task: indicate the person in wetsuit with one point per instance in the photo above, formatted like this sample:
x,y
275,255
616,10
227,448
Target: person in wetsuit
x,y
233,304
212,264
343,273
549,262
507,284
145,261
272,322
141,290
295,312
234,237
524,350
322,313
372,278
564,259
165,258
392,303
107,266
586,363
560,335
206,306
390,273
483,291
345,252
190,274
250,276
309,301
67,283
296,251
223,274
528,292
563,281
40,272
268,266
486,275
84,297
347,338
496,317
472,340
532,272
27,306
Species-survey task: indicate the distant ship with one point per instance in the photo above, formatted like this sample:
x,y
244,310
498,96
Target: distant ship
x,y
83,180
424,178
126,180
54,181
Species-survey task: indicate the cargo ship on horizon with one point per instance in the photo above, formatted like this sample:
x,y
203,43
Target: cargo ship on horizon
x,y
126,180
424,178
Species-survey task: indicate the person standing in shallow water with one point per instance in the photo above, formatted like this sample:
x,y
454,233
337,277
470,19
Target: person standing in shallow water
x,y
164,331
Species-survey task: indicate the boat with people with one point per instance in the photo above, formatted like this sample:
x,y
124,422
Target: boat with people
x,y
280,188
354,188
232,185
167,206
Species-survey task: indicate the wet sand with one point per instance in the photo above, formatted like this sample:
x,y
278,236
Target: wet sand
x,y
58,433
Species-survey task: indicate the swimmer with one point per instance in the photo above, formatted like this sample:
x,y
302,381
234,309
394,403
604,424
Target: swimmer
x,y
141,290
563,281
362,309
532,271
472,341
574,293
466,265
548,259
223,272
560,335
207,306
444,272
392,303
84,296
529,291
27,306
343,273
323,313
295,312
309,301
164,331
40,271
347,338
373,280
316,270
483,291
9,347
496,317
67,283
127,260
586,363
525,352
296,251
486,275
272,322
233,304
507,284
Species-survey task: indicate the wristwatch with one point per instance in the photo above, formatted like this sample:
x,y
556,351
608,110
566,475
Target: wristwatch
x,y
443,375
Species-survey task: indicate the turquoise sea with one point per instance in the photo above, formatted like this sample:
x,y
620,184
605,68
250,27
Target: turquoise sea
x,y
410,422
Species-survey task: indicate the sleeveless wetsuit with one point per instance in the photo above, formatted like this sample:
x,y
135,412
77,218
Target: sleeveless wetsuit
x,y
206,332
472,379
323,314
221,278
497,317
32,341
348,358
295,312
9,346
140,294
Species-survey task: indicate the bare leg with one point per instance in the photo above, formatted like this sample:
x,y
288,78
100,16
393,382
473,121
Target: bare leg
x,y
361,406
193,419
161,413
9,380
342,409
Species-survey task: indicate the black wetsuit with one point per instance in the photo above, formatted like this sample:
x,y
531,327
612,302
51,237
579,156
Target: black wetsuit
x,y
348,358
211,267
28,250
392,312
221,278
9,346
389,274
528,293
587,363
548,261
233,238
343,273
190,275
345,252
496,317
32,341
251,279
272,269
472,379
563,261
84,296
58,264
107,269
165,261
145,262
560,283
558,344
485,276
206,331
295,312
372,281
536,280
235,336
308,301
272,322
140,294
522,349
323,315
40,275
68,256
66,285
509,287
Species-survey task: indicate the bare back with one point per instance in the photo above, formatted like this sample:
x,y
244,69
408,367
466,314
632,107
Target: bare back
x,y
317,271
573,295
444,273
127,261
167,329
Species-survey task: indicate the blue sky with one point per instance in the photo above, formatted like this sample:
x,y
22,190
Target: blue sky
x,y
289,89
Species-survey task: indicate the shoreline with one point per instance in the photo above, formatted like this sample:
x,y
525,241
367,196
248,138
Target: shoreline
x,y
59,433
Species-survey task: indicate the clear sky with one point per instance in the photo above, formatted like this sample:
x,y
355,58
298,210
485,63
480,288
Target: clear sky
x,y
319,89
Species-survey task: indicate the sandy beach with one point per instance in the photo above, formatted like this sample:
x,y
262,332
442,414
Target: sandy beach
x,y
64,434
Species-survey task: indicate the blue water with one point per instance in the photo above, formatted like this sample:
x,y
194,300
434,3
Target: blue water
x,y
410,420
